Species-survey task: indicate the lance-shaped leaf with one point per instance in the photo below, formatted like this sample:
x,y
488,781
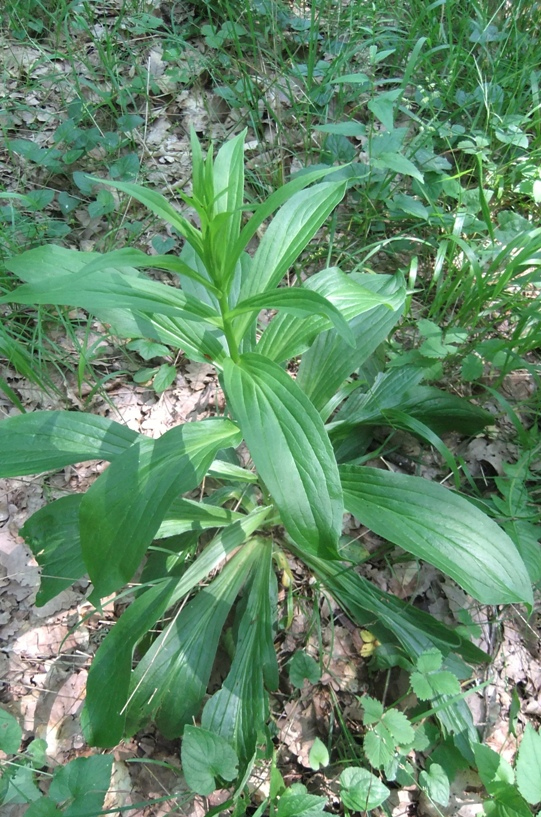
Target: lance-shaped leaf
x,y
52,534
123,509
297,301
159,205
171,679
48,440
293,226
105,287
186,514
440,527
290,449
239,710
287,336
387,392
199,340
109,675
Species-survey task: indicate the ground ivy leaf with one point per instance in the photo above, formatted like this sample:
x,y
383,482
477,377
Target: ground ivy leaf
x,y
207,757
301,667
436,783
360,790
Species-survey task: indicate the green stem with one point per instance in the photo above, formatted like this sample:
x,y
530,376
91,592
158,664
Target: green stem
x,y
228,329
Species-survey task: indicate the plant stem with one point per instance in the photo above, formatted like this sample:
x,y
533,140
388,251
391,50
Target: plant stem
x,y
228,328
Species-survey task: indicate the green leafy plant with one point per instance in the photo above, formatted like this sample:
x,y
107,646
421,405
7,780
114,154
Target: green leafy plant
x,y
306,468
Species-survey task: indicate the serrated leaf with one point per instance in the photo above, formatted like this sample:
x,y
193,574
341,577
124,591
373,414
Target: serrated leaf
x,y
360,790
318,757
206,759
399,726
459,539
10,733
123,509
379,746
436,784
528,765
53,536
303,667
290,448
372,710
49,440
429,661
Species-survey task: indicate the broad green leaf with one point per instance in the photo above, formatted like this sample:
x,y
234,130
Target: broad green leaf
x,y
49,440
508,803
19,786
109,675
444,412
297,301
82,785
44,807
123,509
239,710
436,783
319,755
170,681
302,666
296,802
492,767
379,746
53,536
290,449
329,361
440,527
102,288
399,726
207,759
382,106
10,733
360,790
528,766
388,391
399,164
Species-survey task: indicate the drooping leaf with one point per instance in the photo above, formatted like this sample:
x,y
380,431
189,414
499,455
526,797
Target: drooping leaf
x,y
297,301
329,361
109,675
239,710
123,509
171,679
187,514
207,759
440,527
53,536
290,449
47,440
